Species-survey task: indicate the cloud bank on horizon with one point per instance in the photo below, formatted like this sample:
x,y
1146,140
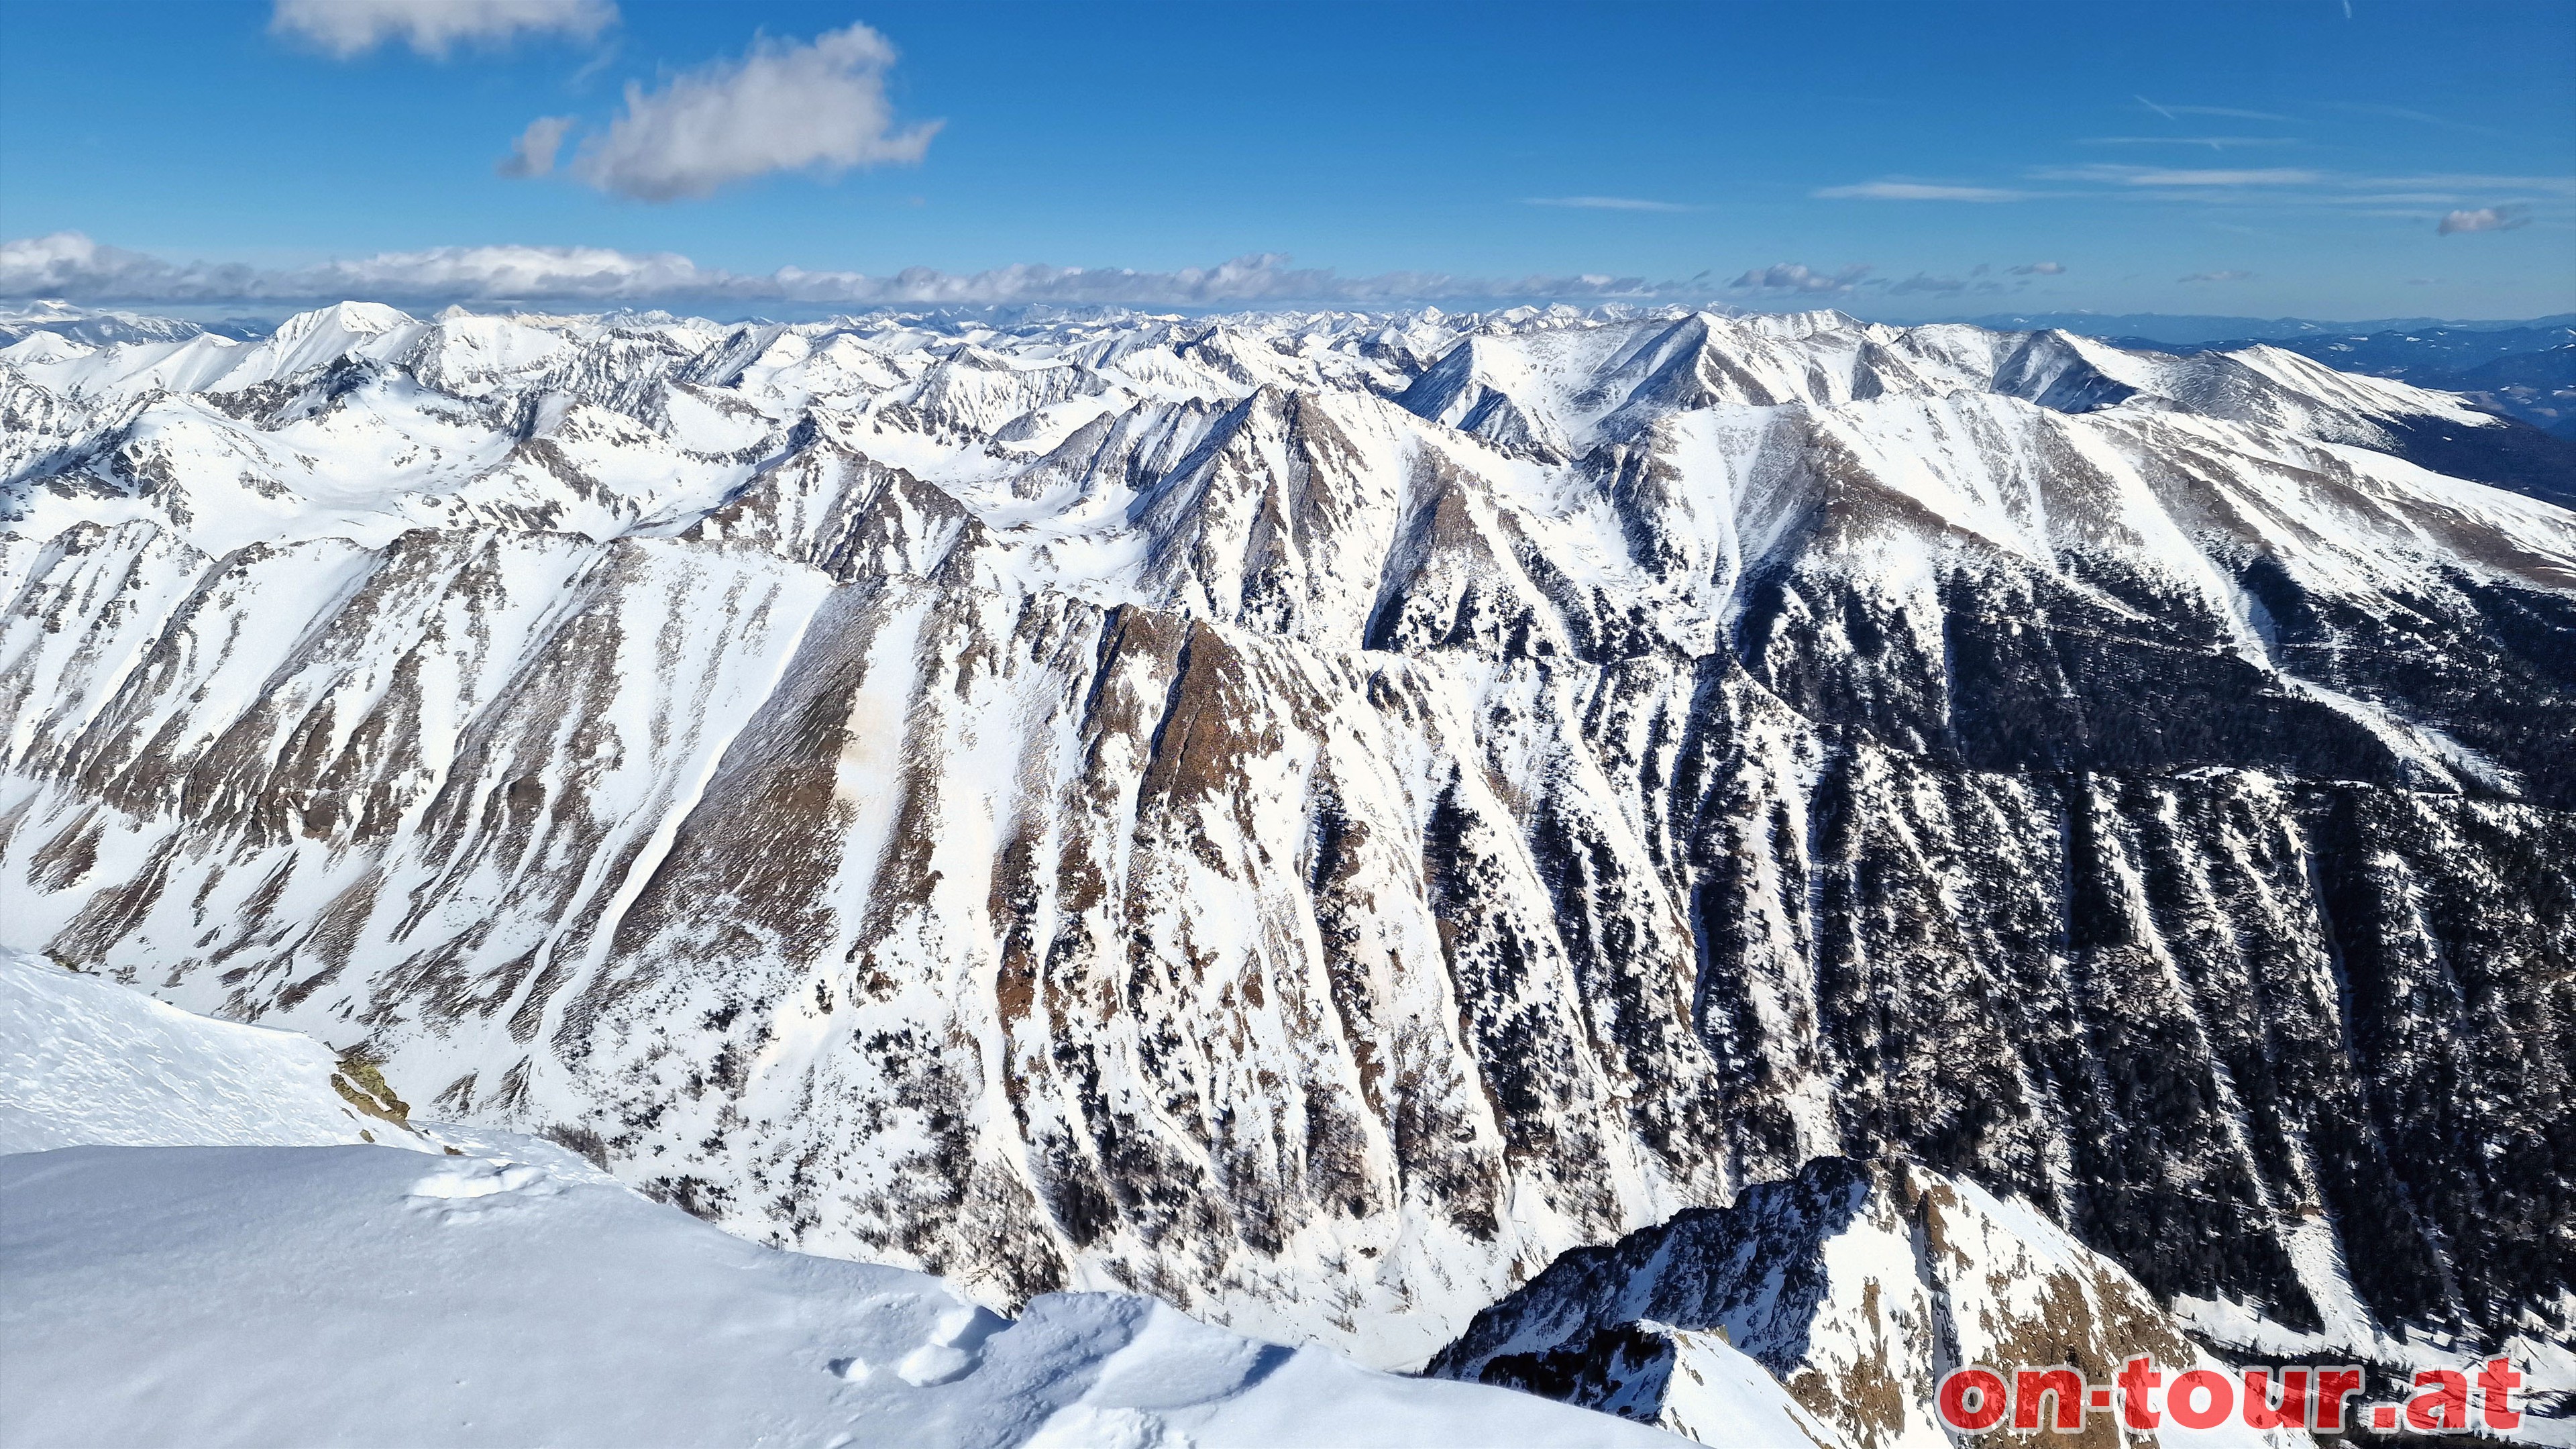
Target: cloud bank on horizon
x,y
71,267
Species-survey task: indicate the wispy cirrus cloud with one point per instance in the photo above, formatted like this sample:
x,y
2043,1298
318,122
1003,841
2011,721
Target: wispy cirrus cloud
x,y
2420,118
1916,191
2229,112
1608,203
2214,143
2038,269
2216,277
2557,186
350,28
2422,195
2484,218
2116,175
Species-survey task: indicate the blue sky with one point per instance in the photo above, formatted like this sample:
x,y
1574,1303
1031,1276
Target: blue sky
x,y
2285,156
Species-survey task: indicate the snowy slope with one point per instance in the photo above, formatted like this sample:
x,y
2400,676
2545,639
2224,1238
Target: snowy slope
x,y
312,1296
1316,815
288,1295
88,1061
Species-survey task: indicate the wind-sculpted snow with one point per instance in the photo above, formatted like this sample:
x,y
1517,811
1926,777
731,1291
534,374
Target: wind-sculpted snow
x,y
1315,816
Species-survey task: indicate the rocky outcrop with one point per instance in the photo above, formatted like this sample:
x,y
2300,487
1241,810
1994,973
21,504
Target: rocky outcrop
x,y
1857,1285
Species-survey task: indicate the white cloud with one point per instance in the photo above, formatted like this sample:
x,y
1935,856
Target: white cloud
x,y
2484,218
533,154
2178,176
2547,185
510,271
2215,143
2421,118
1917,191
2215,277
349,28
2169,112
2039,269
1926,282
1792,277
71,266
1606,203
2431,194
784,106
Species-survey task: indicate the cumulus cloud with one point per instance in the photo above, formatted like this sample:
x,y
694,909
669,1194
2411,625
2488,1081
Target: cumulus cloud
x,y
2039,269
783,106
71,266
2215,277
1917,191
348,28
1606,203
1792,277
533,154
2484,218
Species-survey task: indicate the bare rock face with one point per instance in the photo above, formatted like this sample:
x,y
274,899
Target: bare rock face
x,y
1856,1285
1314,817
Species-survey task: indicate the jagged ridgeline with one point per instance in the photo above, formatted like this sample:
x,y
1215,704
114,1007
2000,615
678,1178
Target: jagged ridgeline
x,y
1314,816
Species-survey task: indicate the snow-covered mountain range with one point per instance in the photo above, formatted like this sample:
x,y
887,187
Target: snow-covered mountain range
x,y
1314,816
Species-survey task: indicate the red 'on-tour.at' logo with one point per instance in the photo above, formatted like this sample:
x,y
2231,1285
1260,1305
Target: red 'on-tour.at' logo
x,y
1976,1399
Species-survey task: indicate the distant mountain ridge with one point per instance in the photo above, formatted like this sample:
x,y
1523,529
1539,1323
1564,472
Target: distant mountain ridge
x,y
2528,373
2164,328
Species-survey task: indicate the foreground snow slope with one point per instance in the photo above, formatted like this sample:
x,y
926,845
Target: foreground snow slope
x,y
510,1294
311,1296
84,1060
